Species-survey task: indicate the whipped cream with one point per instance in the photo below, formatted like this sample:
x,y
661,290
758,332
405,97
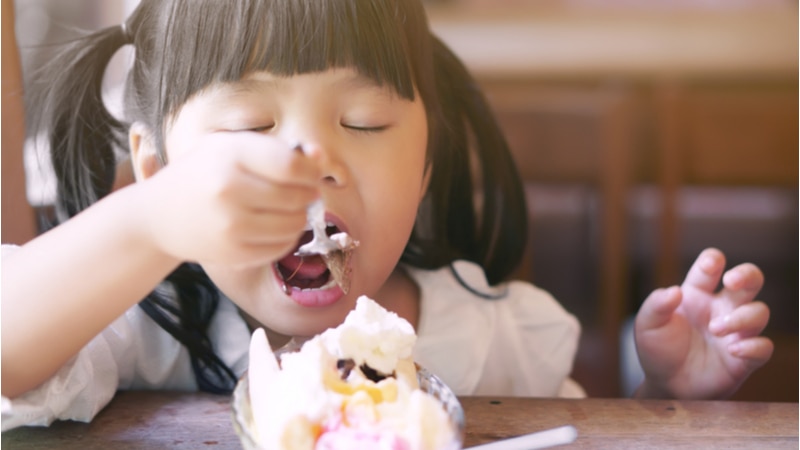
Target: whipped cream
x,y
351,387
373,336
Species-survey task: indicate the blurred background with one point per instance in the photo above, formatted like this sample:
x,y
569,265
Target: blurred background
x,y
645,132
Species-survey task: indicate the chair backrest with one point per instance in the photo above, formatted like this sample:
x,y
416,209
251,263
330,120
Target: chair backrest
x,y
723,134
567,136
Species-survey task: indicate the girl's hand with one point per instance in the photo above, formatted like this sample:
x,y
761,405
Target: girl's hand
x,y
237,198
696,343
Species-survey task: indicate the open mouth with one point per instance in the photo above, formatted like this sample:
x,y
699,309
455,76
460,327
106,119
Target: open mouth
x,y
306,272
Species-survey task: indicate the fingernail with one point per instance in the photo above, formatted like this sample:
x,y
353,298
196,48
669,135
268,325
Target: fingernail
x,y
719,325
707,263
735,349
734,278
672,291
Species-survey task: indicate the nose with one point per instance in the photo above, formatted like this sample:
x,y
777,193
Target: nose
x,y
334,170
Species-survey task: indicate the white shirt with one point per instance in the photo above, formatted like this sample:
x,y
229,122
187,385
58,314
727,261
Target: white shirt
x,y
521,343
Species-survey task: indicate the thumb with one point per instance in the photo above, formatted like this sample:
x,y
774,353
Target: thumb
x,y
658,308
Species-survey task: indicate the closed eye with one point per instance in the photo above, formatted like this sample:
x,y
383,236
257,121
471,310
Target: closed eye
x,y
364,129
260,129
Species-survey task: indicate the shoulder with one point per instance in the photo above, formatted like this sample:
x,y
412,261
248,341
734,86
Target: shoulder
x,y
164,363
464,322
230,336
460,292
7,250
151,358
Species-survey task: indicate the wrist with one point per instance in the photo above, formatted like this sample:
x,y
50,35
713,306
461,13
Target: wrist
x,y
142,221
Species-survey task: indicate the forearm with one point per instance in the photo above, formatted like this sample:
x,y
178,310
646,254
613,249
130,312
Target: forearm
x,y
61,289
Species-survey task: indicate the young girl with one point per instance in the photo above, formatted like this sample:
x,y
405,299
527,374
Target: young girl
x,y
238,115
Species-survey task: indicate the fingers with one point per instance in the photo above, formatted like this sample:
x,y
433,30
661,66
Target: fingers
x,y
260,174
267,228
742,283
243,257
272,159
747,320
658,308
706,271
756,350
260,195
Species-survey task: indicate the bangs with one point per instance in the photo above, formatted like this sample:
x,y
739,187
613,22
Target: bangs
x,y
385,41
315,35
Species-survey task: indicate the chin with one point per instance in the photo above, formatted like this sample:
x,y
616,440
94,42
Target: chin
x,y
310,326
290,318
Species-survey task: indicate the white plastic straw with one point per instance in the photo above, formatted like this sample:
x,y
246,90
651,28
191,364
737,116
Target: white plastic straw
x,y
541,439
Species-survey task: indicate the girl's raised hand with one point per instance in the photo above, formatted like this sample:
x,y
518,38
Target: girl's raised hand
x,y
238,199
696,342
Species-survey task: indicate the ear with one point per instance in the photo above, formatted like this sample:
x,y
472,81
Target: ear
x,y
144,157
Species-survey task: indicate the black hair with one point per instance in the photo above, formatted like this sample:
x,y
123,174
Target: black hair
x,y
184,46
473,212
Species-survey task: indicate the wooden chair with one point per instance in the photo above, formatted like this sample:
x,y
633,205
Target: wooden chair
x,y
731,136
720,135
580,135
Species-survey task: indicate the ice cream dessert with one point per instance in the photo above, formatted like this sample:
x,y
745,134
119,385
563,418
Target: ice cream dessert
x,y
352,387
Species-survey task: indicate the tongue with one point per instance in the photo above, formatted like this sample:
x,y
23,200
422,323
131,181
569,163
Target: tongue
x,y
303,268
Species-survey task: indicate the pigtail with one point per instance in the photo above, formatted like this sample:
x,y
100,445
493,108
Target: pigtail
x,y
493,234
67,110
188,319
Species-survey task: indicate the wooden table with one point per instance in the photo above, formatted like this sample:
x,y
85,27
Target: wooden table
x,y
159,420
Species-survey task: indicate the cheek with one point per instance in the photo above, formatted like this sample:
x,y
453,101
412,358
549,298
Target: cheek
x,y
188,129
246,287
394,203
178,142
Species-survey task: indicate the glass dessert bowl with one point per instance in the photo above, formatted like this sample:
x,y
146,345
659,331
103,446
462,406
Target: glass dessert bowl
x,y
428,382
353,386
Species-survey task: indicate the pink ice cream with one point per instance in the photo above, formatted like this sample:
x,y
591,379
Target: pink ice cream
x,y
340,437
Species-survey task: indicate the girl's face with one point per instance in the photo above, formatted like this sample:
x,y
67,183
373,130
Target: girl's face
x,y
371,145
